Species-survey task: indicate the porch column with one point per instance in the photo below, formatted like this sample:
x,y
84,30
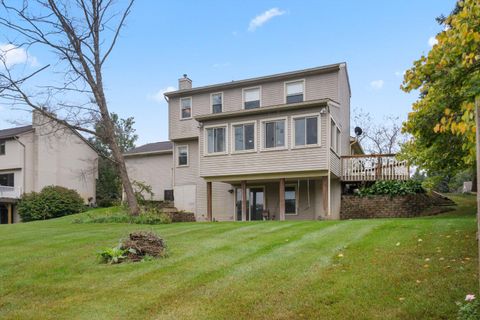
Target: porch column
x,y
10,213
281,197
325,194
209,201
244,200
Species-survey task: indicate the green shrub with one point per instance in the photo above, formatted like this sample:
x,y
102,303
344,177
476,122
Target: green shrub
x,y
51,202
121,215
113,255
393,188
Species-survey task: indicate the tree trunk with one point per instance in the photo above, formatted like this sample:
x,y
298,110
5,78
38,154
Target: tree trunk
x,y
477,119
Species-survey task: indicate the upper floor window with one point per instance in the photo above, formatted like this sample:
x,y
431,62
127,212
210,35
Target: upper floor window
x,y
274,132
244,135
216,140
334,137
182,156
306,130
7,180
217,99
186,108
251,98
2,147
294,91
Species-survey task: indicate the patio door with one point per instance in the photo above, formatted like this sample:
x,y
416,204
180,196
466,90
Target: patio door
x,y
255,203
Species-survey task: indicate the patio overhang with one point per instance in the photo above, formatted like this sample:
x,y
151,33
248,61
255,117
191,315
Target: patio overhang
x,y
272,176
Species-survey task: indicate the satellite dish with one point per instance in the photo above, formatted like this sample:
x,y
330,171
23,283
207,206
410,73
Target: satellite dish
x,y
358,131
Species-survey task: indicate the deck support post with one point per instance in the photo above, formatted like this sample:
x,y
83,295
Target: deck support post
x,y
209,201
244,200
281,197
10,213
325,192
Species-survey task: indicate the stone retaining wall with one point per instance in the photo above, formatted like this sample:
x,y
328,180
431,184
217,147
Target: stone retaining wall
x,y
356,207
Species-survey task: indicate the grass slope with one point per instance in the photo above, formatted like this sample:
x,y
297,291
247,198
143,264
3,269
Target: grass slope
x,y
363,269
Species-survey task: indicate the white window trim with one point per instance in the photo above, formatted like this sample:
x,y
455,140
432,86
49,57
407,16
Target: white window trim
x,y
205,140
211,101
232,139
191,107
177,162
262,135
293,81
330,135
319,131
295,185
249,88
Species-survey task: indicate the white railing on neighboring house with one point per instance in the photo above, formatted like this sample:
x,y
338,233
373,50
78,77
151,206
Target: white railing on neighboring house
x,y
10,192
373,167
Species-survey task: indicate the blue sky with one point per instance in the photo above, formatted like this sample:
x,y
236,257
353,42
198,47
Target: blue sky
x,y
216,41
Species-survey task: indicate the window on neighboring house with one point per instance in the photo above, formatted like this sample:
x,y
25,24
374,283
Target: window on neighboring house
x,y
274,134
251,98
7,180
216,140
244,135
186,108
217,102
294,91
334,137
2,147
182,154
306,131
290,200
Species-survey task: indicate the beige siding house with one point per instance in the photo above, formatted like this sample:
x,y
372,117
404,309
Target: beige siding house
x,y
43,154
262,148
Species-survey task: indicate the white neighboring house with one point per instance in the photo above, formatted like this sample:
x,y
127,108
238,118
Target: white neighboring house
x,y
43,154
152,164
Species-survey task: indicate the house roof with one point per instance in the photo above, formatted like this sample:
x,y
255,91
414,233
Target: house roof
x,y
247,82
13,132
151,148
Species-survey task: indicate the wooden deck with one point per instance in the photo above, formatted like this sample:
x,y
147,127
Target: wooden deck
x,y
374,167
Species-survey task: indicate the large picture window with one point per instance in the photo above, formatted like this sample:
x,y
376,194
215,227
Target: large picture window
x,y
251,98
216,140
294,91
274,133
186,108
244,137
306,131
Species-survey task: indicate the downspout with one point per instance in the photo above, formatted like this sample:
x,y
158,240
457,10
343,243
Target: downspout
x,y
329,153
24,173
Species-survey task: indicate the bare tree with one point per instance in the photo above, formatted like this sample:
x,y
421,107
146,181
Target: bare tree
x,y
384,137
82,35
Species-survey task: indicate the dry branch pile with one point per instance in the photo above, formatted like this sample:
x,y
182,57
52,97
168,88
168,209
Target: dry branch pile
x,y
144,243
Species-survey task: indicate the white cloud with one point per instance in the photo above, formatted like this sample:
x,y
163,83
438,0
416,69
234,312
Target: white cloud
x,y
400,73
158,96
261,19
12,55
432,41
377,84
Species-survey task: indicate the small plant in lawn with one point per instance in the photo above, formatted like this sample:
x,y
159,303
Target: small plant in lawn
x,y
470,309
113,255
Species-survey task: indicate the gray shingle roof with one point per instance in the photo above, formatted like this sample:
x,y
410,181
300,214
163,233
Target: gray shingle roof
x,y
151,147
12,132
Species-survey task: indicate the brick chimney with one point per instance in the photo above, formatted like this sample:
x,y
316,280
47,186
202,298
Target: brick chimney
x,y
184,83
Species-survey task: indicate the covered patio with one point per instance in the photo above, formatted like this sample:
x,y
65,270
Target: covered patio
x,y
293,197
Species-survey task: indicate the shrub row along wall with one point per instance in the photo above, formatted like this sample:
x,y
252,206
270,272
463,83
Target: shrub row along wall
x,y
379,206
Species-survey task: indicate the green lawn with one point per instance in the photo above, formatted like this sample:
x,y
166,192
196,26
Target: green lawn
x,y
363,269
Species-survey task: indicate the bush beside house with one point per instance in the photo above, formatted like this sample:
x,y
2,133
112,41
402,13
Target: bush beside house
x,y
51,202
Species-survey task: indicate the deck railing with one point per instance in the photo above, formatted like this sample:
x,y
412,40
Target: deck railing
x,y
10,192
373,167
